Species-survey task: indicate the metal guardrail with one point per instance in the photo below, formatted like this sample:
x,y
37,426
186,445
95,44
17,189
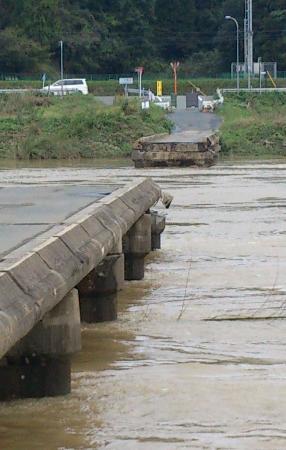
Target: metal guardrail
x,y
255,90
18,91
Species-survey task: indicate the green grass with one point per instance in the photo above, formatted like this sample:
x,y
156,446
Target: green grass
x,y
254,125
40,127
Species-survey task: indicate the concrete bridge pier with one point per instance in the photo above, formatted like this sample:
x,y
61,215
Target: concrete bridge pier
x,y
158,224
39,365
136,245
98,291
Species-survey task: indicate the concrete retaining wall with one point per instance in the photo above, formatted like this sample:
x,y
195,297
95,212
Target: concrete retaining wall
x,y
38,275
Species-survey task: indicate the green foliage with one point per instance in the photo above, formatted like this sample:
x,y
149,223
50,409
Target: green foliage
x,y
254,125
19,53
36,127
114,36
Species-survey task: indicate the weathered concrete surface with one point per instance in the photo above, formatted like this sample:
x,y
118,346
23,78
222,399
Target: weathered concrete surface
x,y
136,245
36,277
98,291
158,224
39,365
194,120
193,142
26,211
57,334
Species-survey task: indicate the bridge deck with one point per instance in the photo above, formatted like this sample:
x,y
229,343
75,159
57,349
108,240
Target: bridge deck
x,y
37,276
26,211
191,126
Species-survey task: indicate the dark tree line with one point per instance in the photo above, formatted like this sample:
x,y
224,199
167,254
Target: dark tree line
x,y
113,36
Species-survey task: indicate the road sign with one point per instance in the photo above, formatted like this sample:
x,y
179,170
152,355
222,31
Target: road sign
x,y
145,104
126,81
139,70
159,88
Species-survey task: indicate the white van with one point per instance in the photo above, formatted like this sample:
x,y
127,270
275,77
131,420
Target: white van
x,y
68,86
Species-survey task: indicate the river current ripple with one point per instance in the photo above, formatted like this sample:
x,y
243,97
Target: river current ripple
x,y
197,358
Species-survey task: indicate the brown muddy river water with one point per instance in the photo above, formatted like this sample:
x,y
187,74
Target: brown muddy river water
x,y
197,358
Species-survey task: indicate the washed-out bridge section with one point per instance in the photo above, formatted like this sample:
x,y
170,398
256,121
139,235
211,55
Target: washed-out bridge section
x,y
59,267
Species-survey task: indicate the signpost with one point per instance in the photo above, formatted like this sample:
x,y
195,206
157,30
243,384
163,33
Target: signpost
x,y
140,71
175,66
159,88
125,82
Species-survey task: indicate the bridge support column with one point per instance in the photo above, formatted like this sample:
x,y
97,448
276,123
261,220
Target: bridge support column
x,y
158,223
98,291
136,245
40,364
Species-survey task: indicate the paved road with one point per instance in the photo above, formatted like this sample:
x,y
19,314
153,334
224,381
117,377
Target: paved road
x,y
26,211
191,126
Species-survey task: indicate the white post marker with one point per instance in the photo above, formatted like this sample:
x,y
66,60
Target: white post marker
x,y
44,78
140,71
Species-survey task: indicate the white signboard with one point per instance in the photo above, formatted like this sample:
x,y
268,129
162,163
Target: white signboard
x,y
125,81
145,104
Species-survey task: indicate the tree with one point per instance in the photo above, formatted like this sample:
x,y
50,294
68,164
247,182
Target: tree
x,y
114,36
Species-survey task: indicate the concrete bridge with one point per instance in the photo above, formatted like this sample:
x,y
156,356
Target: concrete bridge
x,y
62,261
194,141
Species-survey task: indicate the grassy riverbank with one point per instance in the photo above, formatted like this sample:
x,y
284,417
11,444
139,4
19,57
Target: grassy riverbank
x,y
254,125
37,127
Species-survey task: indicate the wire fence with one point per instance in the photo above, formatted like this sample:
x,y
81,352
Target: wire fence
x,y
115,76
110,77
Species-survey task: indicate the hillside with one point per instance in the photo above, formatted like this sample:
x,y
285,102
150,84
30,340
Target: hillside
x,y
113,36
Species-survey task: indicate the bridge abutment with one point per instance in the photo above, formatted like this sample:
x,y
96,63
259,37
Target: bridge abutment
x,y
40,364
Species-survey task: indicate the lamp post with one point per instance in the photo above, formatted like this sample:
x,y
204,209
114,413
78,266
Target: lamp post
x,y
237,49
61,44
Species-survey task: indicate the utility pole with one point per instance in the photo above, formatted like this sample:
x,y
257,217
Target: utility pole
x,y
248,40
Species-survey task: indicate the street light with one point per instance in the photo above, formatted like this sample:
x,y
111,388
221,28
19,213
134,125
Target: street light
x,y
237,49
61,44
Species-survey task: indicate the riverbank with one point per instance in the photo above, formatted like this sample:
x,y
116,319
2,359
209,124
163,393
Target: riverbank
x,y
254,125
37,127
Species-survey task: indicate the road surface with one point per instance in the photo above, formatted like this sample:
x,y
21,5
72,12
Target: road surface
x,y
191,126
26,211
